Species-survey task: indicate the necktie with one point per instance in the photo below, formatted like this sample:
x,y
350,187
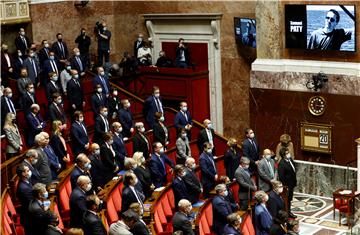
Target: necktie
x,y
34,66
79,62
104,85
62,49
25,43
21,61
253,143
55,85
100,97
162,163
106,124
292,166
158,105
10,105
54,67
31,97
37,120
210,137
7,60
83,127
77,83
212,161
144,138
185,116
47,53
270,169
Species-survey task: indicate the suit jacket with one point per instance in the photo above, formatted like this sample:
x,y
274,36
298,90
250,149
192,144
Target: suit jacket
x,y
180,120
35,125
118,228
159,133
243,178
57,114
108,158
287,175
150,109
144,177
181,146
33,73
128,197
13,138
51,88
101,127
20,45
43,55
119,148
43,167
230,230
53,160
140,145
24,194
114,105
57,51
137,45
96,102
186,54
231,161
221,209
76,65
139,228
35,176
5,109
158,169
75,175
77,207
127,121
275,204
100,175
21,84
182,223
92,224
249,149
26,102
208,171
263,220
75,93
79,138
202,138
265,174
17,65
51,230
39,218
193,185
180,190
48,68
105,86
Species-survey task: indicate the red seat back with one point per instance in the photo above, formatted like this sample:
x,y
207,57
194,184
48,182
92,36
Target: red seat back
x,y
56,211
171,199
166,206
64,195
112,214
247,227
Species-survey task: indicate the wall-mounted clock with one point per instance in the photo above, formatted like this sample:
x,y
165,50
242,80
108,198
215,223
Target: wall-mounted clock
x,y
317,105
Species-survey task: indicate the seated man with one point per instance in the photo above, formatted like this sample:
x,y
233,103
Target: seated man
x,y
164,61
221,209
181,220
157,165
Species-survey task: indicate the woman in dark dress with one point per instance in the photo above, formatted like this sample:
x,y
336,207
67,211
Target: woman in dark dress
x,y
143,174
161,133
58,144
232,158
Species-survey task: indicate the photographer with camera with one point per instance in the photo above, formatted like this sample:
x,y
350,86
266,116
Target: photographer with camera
x,y
103,36
182,55
84,42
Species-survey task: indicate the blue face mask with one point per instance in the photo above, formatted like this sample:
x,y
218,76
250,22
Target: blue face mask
x,y
45,195
226,193
88,166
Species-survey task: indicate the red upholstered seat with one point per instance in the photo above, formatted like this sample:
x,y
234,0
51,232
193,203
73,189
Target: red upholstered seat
x,y
247,227
235,188
11,225
21,120
64,198
56,211
205,220
170,196
166,206
116,197
129,148
112,214
209,215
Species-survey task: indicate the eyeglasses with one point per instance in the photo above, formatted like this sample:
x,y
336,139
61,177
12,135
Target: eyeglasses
x,y
332,20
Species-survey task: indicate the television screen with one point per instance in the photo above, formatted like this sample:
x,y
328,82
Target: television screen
x,y
245,31
320,27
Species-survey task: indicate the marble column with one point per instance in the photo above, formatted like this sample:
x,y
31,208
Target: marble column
x,y
269,15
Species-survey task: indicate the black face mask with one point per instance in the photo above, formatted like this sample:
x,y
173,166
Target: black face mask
x,y
5,50
59,39
13,121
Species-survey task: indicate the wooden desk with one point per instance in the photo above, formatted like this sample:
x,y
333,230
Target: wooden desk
x,y
348,196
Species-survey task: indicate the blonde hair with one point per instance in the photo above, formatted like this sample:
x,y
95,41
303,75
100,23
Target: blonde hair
x,y
137,158
55,127
8,121
75,231
231,141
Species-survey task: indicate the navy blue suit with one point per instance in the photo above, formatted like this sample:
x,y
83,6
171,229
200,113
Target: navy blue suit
x,y
129,197
250,151
79,138
230,230
100,175
97,102
158,169
180,121
75,64
275,203
101,127
221,209
263,220
53,161
150,108
120,149
43,55
77,207
104,82
180,190
35,177
59,54
208,172
24,194
35,125
33,72
51,89
56,112
47,68
93,224
127,121
75,175
26,102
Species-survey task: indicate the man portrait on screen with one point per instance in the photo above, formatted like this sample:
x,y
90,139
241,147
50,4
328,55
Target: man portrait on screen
x,y
329,38
248,38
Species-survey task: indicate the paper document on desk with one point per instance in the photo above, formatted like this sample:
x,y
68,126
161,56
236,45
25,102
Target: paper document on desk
x,y
345,192
159,189
115,178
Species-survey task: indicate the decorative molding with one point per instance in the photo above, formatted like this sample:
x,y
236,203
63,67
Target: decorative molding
x,y
14,12
187,16
32,2
216,35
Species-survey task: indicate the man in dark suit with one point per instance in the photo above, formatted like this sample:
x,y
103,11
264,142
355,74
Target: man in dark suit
x,y
56,110
84,42
51,65
53,86
83,166
138,44
103,36
208,169
22,42
31,160
102,79
129,193
78,201
182,55
140,141
183,119
157,165
100,175
207,134
126,119
118,144
152,105
179,186
250,148
246,184
92,223
35,124
101,126
77,63
61,50
18,64
79,134
98,99
24,193
39,213
276,202
75,92
7,70
7,105
32,67
28,98
44,52
192,182
221,209
181,220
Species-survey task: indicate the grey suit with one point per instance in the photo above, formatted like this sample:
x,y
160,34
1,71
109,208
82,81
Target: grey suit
x,y
33,73
265,174
182,223
43,167
14,139
119,228
181,145
21,84
243,178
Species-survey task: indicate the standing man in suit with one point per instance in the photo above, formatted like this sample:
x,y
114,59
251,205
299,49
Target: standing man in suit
x,y
266,171
157,165
35,124
51,65
7,105
207,134
191,180
160,131
79,134
208,169
263,218
221,209
75,93
77,62
18,63
183,119
43,164
101,126
183,150
52,86
23,81
84,42
100,175
130,194
102,79
82,167
32,67
181,220
28,98
276,202
179,186
152,105
104,36
61,50
92,223
138,43
287,175
250,148
44,52
22,42
56,110
31,160
98,99
247,186
182,55
78,201
108,155
126,118
140,141
7,70
39,213
118,145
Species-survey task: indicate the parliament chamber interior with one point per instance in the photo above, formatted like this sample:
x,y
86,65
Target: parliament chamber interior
x,y
180,117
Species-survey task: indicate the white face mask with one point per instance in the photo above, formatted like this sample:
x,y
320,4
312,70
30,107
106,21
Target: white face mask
x,y
142,160
226,193
115,93
77,53
209,151
184,109
88,188
34,161
46,45
162,150
183,135
102,73
288,156
99,90
209,126
157,95
81,119
161,119
268,157
183,174
142,129
128,105
29,174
